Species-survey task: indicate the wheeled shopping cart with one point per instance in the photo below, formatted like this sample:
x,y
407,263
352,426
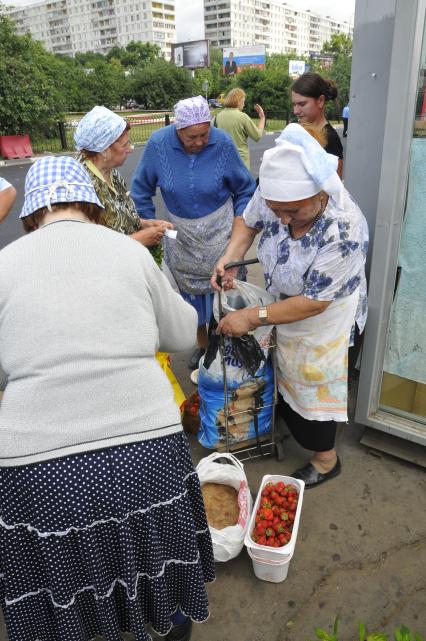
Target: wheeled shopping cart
x,y
245,423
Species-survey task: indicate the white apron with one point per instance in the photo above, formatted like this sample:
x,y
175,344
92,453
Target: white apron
x,y
312,360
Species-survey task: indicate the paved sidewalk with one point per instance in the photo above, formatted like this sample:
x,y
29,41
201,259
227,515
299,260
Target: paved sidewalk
x,y
361,550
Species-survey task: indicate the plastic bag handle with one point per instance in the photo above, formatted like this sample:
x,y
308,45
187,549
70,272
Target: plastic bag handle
x,y
217,455
242,263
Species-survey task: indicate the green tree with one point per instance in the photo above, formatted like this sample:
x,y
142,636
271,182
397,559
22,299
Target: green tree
x,y
104,84
274,91
340,46
88,58
72,82
159,84
135,54
268,87
201,75
30,99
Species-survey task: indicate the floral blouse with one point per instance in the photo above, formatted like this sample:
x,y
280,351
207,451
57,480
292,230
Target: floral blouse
x,y
120,211
325,264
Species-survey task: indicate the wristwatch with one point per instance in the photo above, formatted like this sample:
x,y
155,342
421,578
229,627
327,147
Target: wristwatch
x,y
263,315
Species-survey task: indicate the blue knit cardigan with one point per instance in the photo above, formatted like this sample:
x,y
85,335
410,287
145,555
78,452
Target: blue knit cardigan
x,y
192,186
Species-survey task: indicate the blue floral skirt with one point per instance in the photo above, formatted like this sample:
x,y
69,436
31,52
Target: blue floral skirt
x,y
103,542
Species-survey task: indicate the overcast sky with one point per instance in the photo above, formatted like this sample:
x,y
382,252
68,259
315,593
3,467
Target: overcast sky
x,y
189,14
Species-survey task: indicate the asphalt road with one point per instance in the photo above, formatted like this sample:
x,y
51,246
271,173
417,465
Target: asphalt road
x,y
15,173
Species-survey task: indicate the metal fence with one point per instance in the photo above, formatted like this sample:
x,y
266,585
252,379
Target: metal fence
x,y
141,128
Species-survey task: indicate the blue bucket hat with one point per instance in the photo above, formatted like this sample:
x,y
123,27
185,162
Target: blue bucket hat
x,y
98,129
57,179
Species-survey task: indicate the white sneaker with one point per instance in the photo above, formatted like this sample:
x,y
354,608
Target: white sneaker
x,y
194,376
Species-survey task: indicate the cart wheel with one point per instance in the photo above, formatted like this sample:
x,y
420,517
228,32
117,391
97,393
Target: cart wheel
x,y
279,451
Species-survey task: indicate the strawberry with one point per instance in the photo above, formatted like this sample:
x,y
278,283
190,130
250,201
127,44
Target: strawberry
x,y
267,513
269,532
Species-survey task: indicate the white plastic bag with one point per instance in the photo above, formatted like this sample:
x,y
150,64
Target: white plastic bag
x,y
228,542
244,295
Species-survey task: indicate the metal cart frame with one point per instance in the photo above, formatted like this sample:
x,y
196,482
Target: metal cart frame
x,y
247,450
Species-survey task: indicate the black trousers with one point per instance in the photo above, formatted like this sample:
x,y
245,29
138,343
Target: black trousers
x,y
318,436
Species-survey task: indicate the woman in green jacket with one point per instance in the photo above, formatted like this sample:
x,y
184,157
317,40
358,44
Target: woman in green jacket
x,y
238,124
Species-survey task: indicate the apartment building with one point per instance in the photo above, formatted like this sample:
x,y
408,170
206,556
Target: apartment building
x,y
280,27
72,26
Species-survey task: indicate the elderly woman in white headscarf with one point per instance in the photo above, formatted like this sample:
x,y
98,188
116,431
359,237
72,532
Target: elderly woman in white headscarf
x,y
312,247
205,187
102,140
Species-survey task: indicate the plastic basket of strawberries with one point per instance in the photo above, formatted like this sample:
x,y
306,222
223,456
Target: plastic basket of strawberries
x,y
274,522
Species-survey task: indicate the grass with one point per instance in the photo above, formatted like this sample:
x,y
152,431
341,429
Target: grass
x,y
139,134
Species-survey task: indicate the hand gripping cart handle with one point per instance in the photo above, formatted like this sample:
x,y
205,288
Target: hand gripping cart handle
x,y
246,451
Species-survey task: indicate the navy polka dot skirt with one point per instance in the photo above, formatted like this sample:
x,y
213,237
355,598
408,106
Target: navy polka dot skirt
x,y
103,542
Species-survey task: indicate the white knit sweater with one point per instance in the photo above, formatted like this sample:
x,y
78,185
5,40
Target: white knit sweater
x,y
83,310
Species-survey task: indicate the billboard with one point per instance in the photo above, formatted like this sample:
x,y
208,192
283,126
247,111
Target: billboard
x,y
325,61
192,55
296,67
236,58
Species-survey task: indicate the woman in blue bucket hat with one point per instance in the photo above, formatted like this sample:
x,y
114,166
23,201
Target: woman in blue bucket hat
x,y
103,144
102,524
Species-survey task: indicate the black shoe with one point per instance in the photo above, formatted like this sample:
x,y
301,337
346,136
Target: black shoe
x,y
195,357
312,477
180,632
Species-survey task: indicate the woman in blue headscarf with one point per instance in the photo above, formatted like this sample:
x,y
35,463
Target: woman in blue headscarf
x,y
102,140
312,247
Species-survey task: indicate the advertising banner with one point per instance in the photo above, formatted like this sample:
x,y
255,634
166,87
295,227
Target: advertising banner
x,y
235,59
296,67
325,61
192,55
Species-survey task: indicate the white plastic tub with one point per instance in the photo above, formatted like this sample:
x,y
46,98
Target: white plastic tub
x,y
262,552
273,571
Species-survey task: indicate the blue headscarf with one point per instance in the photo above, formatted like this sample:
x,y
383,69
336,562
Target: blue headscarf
x,y
98,129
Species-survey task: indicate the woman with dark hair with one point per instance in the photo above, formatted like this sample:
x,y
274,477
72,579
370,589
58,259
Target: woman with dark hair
x,y
309,95
102,140
102,522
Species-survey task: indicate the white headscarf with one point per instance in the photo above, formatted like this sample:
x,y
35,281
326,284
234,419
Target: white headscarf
x,y
298,168
191,111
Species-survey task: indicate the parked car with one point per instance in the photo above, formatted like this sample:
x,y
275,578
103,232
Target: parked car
x,y
214,103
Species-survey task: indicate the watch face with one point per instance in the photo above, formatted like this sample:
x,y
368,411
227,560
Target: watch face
x,y
263,314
